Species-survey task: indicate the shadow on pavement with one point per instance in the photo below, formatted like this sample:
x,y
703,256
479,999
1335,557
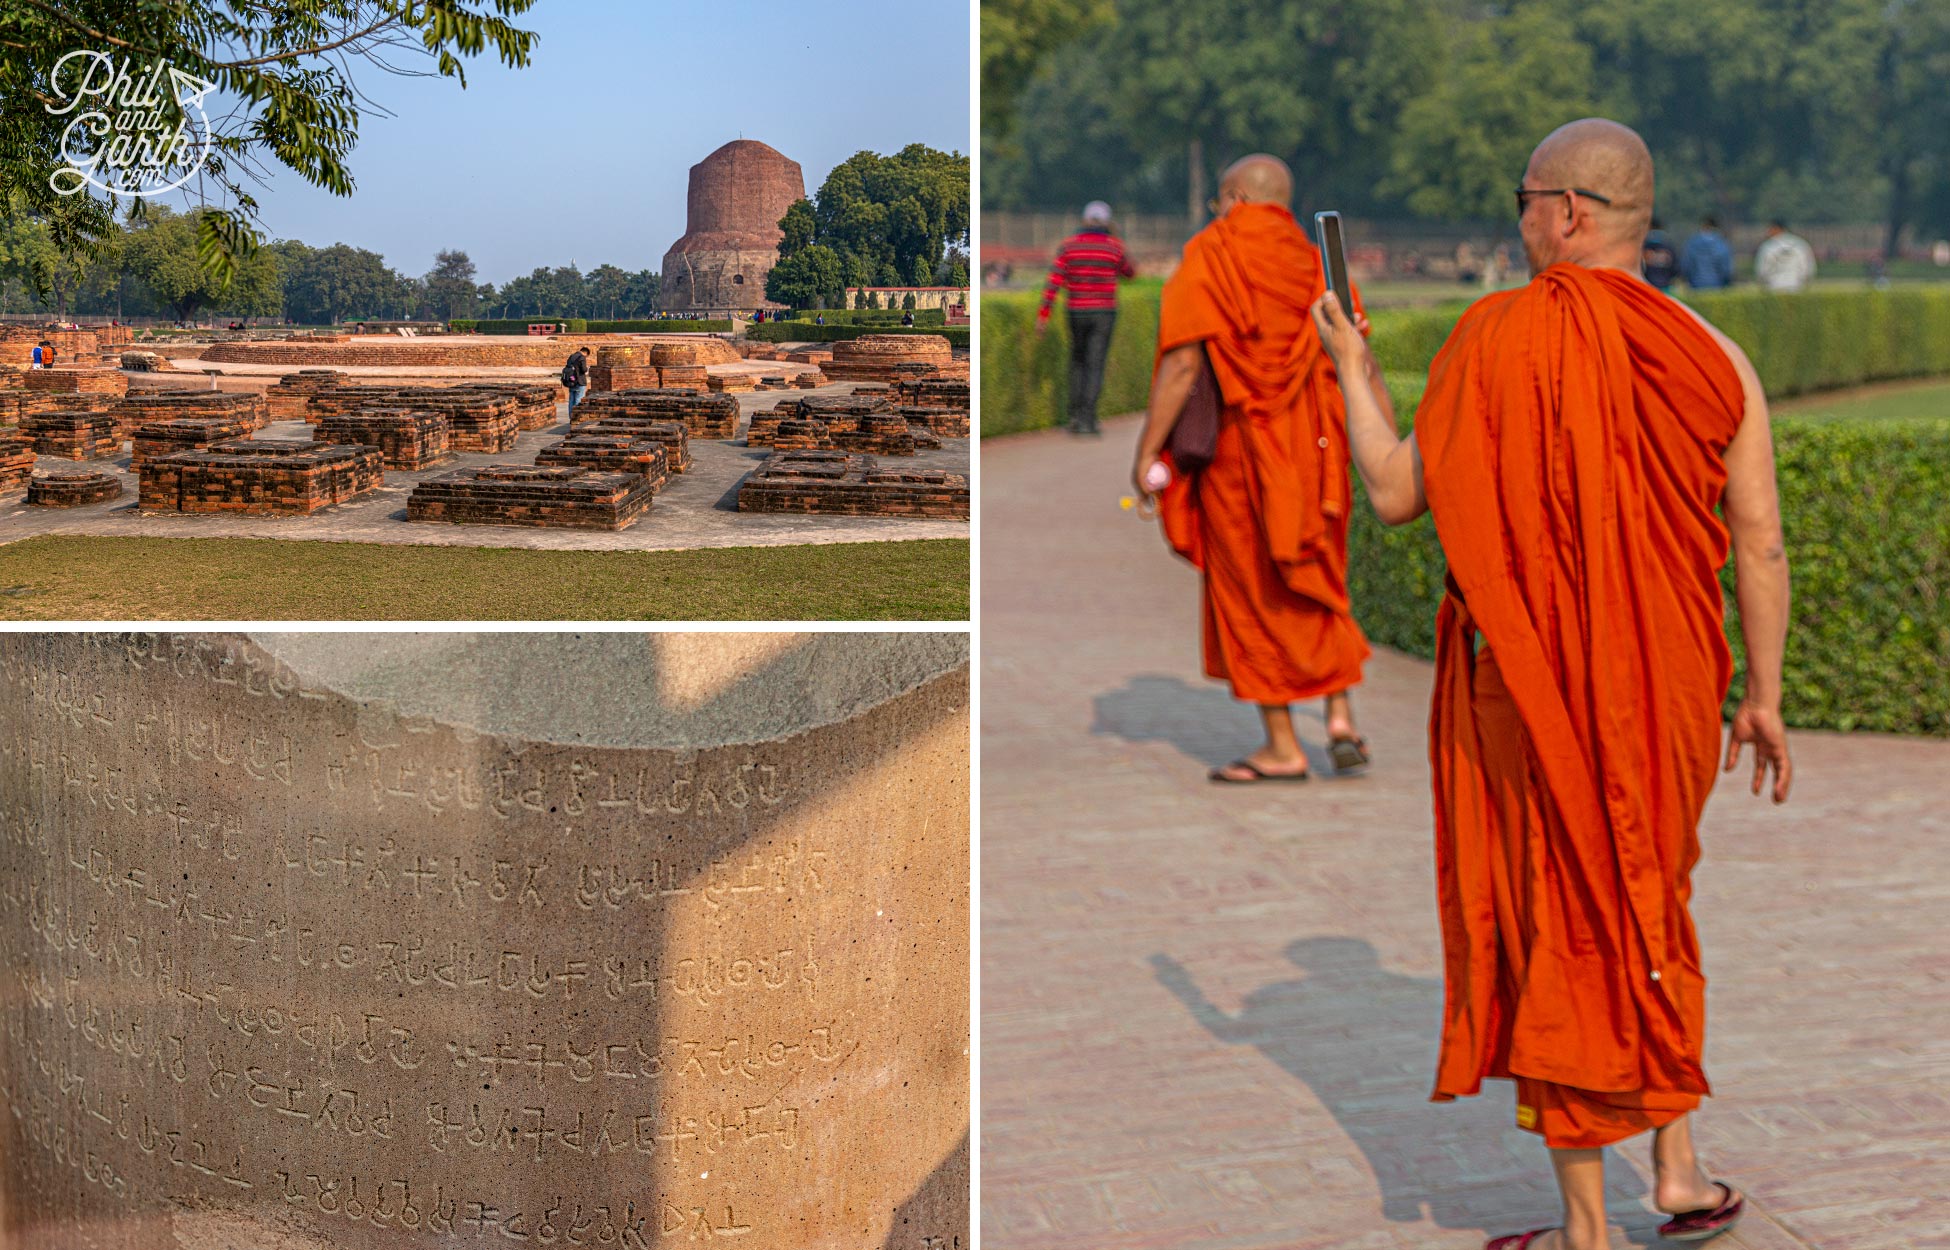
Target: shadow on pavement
x,y
1439,1162
1204,722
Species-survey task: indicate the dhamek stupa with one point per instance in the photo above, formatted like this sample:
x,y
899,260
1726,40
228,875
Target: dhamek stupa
x,y
731,229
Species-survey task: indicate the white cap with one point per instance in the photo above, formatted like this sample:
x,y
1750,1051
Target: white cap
x,y
1096,213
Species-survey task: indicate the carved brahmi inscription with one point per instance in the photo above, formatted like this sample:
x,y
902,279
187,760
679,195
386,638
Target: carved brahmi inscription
x,y
288,961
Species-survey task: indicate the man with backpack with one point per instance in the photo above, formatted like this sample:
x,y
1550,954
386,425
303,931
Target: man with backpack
x,y
575,376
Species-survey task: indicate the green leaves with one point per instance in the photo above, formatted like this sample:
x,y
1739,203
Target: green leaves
x,y
279,63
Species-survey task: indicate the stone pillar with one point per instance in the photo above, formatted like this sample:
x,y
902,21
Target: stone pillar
x,y
371,940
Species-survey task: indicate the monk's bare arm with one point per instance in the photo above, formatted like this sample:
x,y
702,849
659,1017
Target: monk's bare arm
x,y
1171,386
1390,465
1752,507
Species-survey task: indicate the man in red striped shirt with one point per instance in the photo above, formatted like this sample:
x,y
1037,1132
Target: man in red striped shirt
x,y
1089,263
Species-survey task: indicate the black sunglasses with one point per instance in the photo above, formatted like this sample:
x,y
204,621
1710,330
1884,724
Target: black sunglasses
x,y
1589,195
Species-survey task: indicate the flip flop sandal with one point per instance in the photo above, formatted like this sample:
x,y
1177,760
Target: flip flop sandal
x,y
1517,1241
1219,775
1707,1221
1349,755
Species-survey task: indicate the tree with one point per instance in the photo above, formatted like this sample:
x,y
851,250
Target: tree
x,y
1464,145
286,65
888,216
450,285
162,254
324,286
607,286
799,227
809,278
1016,36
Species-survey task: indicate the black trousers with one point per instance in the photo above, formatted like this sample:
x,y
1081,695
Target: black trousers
x,y
1089,346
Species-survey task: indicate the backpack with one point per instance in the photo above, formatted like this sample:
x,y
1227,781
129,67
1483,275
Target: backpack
x,y
572,376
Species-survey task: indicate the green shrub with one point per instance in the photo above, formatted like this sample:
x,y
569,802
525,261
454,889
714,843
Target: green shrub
x,y
1816,340
806,332
649,325
871,316
1025,375
1868,548
581,325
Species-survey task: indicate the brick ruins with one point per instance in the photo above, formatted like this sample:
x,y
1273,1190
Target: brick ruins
x,y
881,433
78,381
290,396
673,437
570,497
73,436
251,411
406,439
167,437
611,453
73,488
933,392
704,415
261,477
483,420
16,461
876,357
731,229
844,484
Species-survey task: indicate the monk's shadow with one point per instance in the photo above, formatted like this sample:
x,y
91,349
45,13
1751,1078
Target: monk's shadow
x,y
1203,722
1363,1039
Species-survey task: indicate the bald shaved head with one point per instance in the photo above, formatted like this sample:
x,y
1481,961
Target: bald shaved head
x,y
1258,179
1599,156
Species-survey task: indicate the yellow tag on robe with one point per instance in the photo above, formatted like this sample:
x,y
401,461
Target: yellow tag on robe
x,y
1526,1116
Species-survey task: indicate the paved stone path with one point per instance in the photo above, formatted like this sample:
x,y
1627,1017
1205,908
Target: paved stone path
x,y
1209,1014
697,508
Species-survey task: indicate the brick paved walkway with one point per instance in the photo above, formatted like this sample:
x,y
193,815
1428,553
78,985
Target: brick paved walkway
x,y
1208,1014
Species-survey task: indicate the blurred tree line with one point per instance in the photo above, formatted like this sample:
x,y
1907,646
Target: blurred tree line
x,y
153,268
1813,110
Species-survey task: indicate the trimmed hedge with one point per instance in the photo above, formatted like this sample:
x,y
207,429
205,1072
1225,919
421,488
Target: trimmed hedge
x,y
1816,340
1868,548
872,316
582,325
806,332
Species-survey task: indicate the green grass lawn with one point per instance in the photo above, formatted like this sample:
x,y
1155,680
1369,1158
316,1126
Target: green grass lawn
x,y
1900,400
63,577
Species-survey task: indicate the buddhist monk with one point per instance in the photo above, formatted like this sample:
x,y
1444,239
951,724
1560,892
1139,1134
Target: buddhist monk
x,y
1266,520
1588,446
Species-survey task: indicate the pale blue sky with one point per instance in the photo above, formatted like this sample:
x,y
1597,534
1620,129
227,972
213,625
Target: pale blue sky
x,y
583,155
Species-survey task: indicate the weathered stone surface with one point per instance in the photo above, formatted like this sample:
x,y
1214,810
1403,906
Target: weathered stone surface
x,y
848,484
551,495
731,229
406,439
385,942
71,488
611,453
258,477
933,392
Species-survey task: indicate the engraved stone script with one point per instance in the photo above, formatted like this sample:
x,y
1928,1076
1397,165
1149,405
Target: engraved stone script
x,y
283,965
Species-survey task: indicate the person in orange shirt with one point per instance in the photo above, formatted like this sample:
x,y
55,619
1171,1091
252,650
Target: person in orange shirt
x,y
1587,446
1266,520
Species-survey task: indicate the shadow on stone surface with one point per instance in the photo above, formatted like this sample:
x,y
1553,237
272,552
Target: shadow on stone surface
x,y
941,1201
1203,722
1435,1162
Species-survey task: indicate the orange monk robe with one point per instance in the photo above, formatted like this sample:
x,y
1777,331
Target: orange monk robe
x,y
1266,521
1573,439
